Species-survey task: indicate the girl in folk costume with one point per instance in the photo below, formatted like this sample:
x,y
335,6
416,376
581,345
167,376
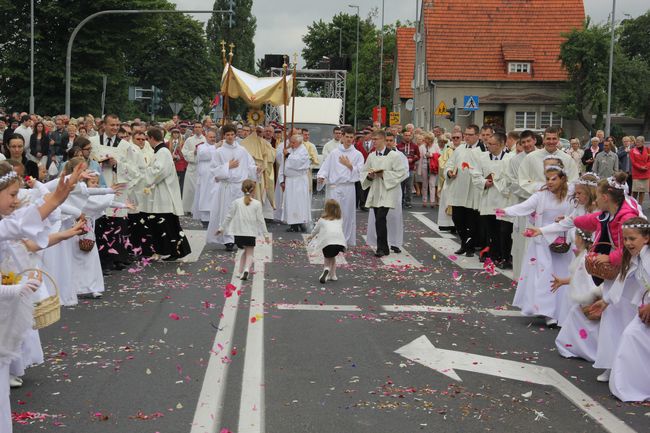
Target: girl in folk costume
x,y
630,375
329,237
584,201
579,334
429,168
244,221
533,294
165,205
608,249
16,303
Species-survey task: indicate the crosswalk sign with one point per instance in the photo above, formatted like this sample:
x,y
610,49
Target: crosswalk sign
x,y
442,109
470,103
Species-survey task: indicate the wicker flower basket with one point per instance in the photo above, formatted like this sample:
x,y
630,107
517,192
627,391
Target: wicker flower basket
x,y
48,311
605,271
86,245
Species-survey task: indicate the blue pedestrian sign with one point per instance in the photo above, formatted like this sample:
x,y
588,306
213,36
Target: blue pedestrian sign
x,y
470,103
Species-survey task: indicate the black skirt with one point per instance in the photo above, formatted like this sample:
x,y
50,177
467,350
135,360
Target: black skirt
x,y
244,241
141,243
111,234
332,251
167,237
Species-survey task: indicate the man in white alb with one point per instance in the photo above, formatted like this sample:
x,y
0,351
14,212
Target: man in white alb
x,y
189,153
293,176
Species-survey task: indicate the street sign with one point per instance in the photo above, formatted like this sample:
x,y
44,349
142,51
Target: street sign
x,y
442,109
422,351
198,106
470,103
394,118
176,107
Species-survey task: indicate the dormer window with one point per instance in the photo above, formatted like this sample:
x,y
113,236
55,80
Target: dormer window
x,y
519,68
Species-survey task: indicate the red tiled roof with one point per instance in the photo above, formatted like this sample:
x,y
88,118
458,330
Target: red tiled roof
x,y
468,41
405,60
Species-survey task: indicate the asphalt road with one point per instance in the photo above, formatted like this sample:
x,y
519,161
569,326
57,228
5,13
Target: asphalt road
x,y
173,348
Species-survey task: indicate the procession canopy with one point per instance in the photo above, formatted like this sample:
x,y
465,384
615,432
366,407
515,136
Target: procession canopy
x,y
255,91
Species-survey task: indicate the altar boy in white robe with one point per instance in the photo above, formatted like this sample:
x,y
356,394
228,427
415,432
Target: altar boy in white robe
x,y
382,175
189,153
489,176
231,165
296,209
340,171
205,184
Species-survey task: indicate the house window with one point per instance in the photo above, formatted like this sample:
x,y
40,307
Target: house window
x,y
525,119
519,68
549,118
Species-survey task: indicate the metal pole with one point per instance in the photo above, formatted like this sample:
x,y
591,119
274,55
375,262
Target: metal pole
x,y
104,79
356,69
68,56
31,63
381,61
608,121
340,40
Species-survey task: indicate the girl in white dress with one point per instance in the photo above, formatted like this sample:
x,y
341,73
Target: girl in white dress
x,y
534,295
579,335
329,237
630,375
244,221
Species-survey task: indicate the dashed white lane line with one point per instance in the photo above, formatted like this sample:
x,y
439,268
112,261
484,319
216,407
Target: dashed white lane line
x,y
423,309
196,238
252,407
264,250
316,256
207,418
317,307
420,216
399,259
505,313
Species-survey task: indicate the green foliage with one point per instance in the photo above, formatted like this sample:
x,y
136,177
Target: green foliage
x,y
635,42
169,51
322,40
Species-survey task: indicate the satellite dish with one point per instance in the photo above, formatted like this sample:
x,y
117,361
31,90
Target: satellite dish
x,y
409,105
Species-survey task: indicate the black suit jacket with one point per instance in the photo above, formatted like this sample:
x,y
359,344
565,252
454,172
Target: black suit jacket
x,y
114,144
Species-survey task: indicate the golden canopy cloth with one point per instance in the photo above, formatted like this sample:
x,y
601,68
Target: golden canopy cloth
x,y
264,156
256,91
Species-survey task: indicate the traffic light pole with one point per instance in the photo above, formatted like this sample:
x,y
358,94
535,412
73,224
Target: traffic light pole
x,y
68,57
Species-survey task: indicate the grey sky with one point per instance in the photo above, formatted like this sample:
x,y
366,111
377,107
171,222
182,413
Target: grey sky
x,y
281,24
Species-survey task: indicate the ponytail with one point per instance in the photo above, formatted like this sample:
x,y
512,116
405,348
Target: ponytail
x,y
248,188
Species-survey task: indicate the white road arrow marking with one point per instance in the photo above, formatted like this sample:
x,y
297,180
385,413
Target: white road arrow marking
x,y
422,351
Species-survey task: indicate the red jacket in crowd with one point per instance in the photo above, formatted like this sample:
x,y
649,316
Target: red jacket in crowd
x,y
640,163
412,153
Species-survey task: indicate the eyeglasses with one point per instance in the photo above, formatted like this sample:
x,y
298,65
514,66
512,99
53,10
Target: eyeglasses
x,y
456,138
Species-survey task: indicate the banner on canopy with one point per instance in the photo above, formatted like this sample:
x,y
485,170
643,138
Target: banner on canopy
x,y
254,90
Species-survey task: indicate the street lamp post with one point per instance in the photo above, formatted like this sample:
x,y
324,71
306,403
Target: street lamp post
x,y
381,61
340,40
356,68
31,62
608,120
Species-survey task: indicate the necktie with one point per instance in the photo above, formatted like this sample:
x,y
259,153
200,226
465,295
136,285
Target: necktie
x,y
108,143
379,153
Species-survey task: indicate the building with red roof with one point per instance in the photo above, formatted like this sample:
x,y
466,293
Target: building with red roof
x,y
502,53
404,71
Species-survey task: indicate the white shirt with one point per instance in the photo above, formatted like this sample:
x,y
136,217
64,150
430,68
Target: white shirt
x,y
243,220
334,172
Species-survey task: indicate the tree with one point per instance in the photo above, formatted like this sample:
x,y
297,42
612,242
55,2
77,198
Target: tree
x,y
241,34
635,43
584,56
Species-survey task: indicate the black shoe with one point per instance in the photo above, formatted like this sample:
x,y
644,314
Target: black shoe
x,y
482,257
230,247
302,228
106,273
396,250
379,254
290,229
408,206
118,267
460,251
364,209
171,258
469,253
507,264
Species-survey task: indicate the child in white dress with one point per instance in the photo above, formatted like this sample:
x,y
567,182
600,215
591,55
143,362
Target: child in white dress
x,y
329,237
534,295
244,221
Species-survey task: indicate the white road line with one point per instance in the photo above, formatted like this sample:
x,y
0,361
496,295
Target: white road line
x,y
423,309
317,307
252,407
432,225
196,238
316,256
447,247
505,313
263,250
399,259
207,417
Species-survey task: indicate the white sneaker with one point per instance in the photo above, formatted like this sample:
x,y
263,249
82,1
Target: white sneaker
x,y
96,295
15,382
551,322
604,376
323,276
333,278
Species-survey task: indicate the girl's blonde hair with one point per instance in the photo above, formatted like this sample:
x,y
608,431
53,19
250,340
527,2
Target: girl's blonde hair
x,y
588,182
640,225
7,175
72,163
248,188
331,210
